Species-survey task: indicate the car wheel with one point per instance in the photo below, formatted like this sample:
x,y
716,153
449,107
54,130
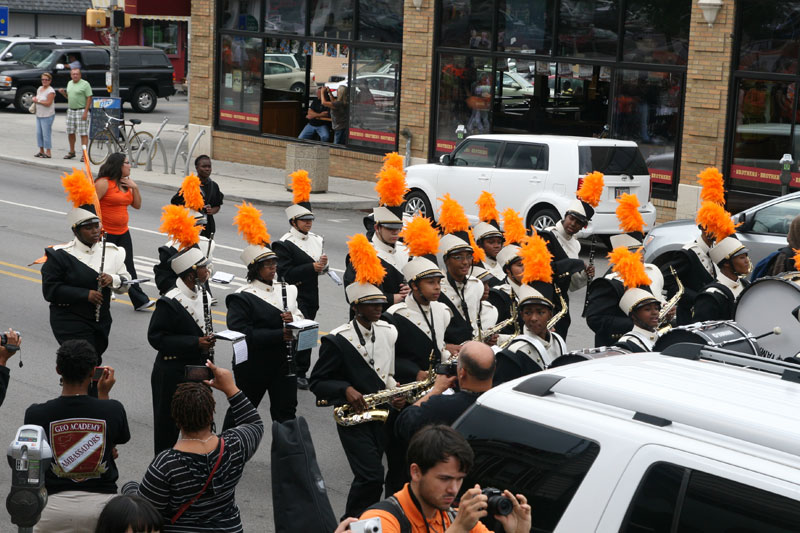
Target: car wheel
x,y
543,218
417,203
24,98
143,100
298,87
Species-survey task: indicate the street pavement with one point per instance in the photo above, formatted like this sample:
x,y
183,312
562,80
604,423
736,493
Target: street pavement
x,y
33,217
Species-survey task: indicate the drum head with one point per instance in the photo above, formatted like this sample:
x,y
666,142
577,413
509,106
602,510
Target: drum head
x,y
724,334
768,303
587,355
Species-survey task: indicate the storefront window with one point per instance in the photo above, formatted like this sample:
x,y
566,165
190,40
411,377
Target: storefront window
x,y
525,25
240,82
285,87
764,132
467,24
769,41
285,16
332,19
657,31
374,99
588,28
380,20
242,15
647,110
465,87
161,34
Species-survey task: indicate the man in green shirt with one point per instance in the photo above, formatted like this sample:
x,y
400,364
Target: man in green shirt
x,y
79,98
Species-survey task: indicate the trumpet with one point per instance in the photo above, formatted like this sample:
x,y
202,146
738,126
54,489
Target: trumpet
x,y
672,302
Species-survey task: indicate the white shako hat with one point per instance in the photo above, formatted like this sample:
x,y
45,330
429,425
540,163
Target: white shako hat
x,y
633,239
422,267
454,242
481,273
361,293
84,214
634,298
580,210
200,219
301,211
727,248
254,253
538,292
187,259
389,216
507,255
482,230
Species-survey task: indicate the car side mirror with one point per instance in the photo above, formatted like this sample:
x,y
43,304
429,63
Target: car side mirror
x,y
60,66
744,222
516,86
445,160
8,56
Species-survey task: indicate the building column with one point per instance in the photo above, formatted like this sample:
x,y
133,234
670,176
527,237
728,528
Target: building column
x,y
417,76
201,74
706,106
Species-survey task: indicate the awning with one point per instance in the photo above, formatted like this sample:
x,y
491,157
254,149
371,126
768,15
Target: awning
x,y
176,18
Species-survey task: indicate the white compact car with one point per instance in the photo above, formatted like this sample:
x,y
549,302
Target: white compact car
x,y
537,175
703,440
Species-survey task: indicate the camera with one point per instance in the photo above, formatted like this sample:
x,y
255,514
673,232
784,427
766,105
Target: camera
x,y
497,504
98,372
448,369
11,348
197,373
370,525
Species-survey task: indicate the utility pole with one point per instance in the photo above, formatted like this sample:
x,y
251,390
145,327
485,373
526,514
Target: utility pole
x,y
113,35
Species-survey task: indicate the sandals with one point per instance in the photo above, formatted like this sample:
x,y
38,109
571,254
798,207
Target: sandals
x,y
42,155
70,155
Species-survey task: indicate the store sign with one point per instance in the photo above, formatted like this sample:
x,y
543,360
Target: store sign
x,y
239,116
3,20
658,175
445,146
762,175
380,137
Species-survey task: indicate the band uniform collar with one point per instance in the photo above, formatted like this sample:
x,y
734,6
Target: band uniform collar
x,y
380,245
185,290
298,234
258,284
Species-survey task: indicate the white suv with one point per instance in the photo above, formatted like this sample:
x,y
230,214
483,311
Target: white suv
x,y
537,175
705,440
12,49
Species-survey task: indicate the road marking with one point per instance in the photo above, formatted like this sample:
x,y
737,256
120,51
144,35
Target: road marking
x,y
12,265
20,276
34,207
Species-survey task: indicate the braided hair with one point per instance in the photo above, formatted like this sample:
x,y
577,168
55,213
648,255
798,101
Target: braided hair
x,y
192,406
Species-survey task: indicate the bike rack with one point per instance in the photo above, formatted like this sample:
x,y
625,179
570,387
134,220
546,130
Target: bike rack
x,y
191,151
153,145
177,152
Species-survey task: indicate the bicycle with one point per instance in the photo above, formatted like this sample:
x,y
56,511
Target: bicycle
x,y
105,142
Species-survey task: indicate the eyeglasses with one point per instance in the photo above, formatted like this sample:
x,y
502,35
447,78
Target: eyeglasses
x,y
461,257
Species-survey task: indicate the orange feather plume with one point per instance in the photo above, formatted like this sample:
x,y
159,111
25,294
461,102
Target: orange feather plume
x,y
716,220
796,259
80,190
301,186
420,237
513,228
487,207
192,195
391,186
630,267
393,160
249,223
451,216
536,260
177,222
713,189
478,253
630,219
365,260
591,190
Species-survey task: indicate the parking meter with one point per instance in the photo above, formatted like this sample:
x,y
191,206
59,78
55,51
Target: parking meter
x,y
29,457
786,173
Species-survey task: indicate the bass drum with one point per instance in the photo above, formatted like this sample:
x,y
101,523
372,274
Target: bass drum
x,y
576,356
722,334
768,303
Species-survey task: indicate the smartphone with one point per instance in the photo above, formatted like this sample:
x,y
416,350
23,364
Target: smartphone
x,y
98,372
197,372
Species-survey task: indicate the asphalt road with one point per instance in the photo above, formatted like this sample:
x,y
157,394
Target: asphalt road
x,y
32,216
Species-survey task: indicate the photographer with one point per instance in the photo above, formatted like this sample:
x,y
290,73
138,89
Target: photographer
x,y
474,373
9,345
440,459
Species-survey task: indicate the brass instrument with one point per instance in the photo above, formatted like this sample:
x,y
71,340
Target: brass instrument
x,y
553,321
671,303
517,329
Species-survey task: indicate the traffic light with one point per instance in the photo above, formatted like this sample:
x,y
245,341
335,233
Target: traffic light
x,y
120,19
96,18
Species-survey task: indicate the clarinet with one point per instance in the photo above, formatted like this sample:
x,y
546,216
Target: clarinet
x,y
588,277
209,323
102,266
289,343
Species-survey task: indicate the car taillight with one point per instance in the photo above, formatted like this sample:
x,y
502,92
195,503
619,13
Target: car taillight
x,y
580,183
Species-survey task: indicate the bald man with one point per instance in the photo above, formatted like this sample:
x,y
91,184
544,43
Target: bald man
x,y
474,374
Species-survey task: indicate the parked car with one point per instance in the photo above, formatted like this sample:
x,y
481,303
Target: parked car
x,y
12,49
645,443
285,78
145,74
379,89
537,175
763,230
287,59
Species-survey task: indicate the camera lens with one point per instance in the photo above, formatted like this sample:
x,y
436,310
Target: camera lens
x,y
497,504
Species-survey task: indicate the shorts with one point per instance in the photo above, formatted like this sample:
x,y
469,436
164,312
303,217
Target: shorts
x,y
75,124
72,511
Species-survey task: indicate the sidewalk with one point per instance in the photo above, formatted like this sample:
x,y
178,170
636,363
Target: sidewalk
x,y
260,185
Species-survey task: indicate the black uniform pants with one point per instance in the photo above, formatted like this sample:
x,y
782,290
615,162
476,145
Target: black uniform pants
x,y
164,380
67,326
363,445
255,379
302,359
397,473
135,292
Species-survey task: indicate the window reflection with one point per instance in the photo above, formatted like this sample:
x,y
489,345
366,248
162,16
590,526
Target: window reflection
x,y
588,28
769,38
380,20
525,25
332,19
374,99
240,82
285,16
657,31
467,23
240,15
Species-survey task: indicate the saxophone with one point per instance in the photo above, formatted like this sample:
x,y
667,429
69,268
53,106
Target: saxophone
x,y
671,303
553,321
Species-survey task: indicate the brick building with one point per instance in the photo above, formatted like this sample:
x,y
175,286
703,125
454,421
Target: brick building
x,y
690,92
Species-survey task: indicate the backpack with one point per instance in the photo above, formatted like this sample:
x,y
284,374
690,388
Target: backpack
x,y
392,506
762,268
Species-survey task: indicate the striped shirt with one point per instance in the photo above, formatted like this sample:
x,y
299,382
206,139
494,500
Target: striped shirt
x,y
175,477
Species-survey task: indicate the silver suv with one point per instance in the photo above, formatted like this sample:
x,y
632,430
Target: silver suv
x,y
12,49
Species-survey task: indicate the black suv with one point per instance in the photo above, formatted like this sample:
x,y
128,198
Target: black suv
x,y
145,74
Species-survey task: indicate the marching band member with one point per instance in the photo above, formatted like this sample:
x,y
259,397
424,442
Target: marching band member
x,y
504,295
391,188
536,347
178,325
717,300
192,198
421,320
260,310
489,237
565,244
637,302
78,277
357,359
301,260
461,292
211,195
